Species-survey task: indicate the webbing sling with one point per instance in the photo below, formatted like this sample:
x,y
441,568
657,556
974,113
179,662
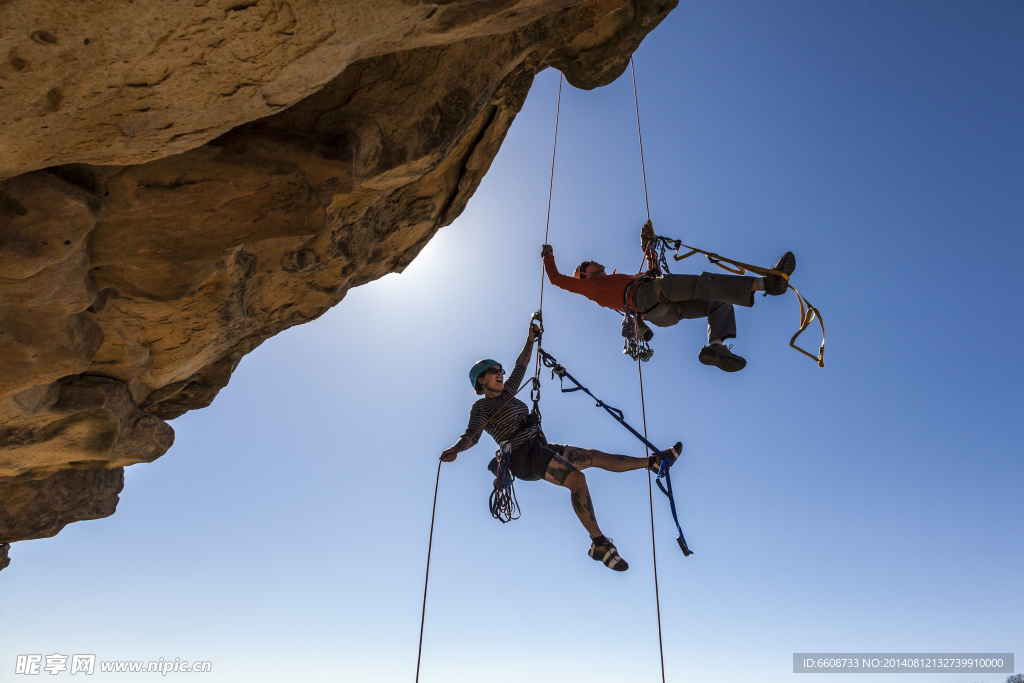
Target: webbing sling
x,y
663,472
808,313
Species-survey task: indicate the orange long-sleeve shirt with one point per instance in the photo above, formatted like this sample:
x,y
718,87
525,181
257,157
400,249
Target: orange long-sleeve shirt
x,y
605,291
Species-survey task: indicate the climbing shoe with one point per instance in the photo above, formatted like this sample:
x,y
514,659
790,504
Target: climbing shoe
x,y
602,550
776,284
721,357
671,453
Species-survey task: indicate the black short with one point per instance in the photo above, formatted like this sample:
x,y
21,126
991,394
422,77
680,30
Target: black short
x,y
530,460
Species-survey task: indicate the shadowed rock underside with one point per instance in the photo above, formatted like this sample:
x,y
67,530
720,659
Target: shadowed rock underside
x,y
181,181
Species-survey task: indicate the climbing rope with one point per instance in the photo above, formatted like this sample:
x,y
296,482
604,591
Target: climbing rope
x,y
538,317
426,578
639,135
433,510
639,368
650,500
551,187
503,504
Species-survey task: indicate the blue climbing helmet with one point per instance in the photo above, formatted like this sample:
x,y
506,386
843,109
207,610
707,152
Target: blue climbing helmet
x,y
478,369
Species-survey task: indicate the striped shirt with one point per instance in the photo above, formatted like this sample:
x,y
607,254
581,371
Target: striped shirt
x,y
503,417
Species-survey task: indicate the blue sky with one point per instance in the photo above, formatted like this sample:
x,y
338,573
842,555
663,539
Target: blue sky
x,y
872,506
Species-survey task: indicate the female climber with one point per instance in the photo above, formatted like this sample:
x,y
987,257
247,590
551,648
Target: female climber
x,y
504,417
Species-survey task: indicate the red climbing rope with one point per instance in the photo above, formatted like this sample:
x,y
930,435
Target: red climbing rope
x,y
547,228
640,372
551,186
643,169
650,499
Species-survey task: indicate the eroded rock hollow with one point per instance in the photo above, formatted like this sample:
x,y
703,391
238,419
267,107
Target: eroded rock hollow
x,y
180,181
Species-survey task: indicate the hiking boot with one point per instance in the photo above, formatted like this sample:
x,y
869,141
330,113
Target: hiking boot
x,y
671,453
722,357
605,552
776,284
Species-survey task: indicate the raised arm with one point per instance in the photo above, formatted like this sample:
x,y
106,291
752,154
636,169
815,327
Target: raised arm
x,y
557,279
519,371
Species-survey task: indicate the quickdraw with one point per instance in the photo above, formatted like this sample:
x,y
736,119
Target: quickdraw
x,y
655,246
633,346
663,472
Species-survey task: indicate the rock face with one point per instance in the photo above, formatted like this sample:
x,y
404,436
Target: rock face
x,y
180,181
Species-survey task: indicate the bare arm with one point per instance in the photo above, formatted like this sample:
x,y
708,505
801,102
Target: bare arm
x,y
469,438
519,371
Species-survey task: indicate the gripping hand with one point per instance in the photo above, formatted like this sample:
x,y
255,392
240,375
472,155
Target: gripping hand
x,y
646,234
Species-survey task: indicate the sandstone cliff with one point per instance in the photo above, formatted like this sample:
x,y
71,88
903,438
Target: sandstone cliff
x,y
180,181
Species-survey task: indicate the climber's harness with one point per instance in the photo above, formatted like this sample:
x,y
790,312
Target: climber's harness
x,y
629,295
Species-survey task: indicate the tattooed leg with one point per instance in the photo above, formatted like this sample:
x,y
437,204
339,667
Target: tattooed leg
x,y
587,457
582,504
580,457
564,474
558,471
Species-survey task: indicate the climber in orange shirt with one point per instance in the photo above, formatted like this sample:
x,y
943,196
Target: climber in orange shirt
x,y
666,299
